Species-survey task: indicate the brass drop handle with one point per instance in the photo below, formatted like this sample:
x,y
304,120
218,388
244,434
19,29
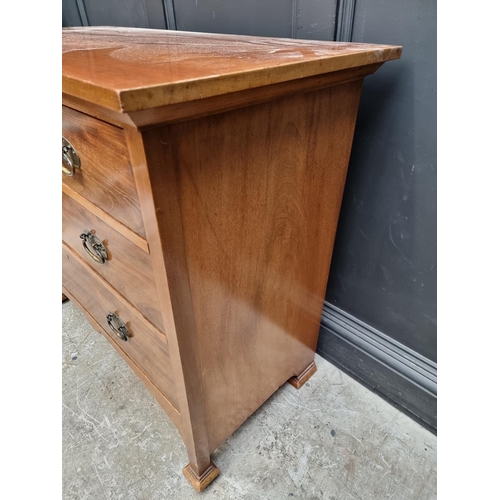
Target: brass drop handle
x,y
70,158
118,326
94,247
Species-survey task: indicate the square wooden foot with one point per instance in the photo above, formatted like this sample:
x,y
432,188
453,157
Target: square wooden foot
x,y
299,380
200,483
64,298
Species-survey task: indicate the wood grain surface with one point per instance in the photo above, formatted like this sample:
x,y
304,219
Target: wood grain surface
x,y
259,192
134,238
172,113
147,347
129,69
160,203
105,177
128,268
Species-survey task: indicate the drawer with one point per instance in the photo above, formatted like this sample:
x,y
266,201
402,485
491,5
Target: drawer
x,y
105,175
146,346
127,267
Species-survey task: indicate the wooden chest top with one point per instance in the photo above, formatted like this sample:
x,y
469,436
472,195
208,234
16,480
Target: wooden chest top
x,y
132,69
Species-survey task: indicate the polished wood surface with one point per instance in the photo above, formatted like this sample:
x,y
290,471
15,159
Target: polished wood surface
x,y
147,346
299,380
197,109
172,113
218,164
201,482
259,192
158,193
129,69
105,177
128,268
134,238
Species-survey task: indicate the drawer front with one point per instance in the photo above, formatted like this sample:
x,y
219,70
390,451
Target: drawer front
x,y
105,175
146,346
127,267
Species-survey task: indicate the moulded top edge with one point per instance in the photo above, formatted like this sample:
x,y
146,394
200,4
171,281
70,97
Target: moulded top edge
x,y
131,69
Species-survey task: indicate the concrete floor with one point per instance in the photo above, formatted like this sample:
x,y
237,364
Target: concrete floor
x,y
333,439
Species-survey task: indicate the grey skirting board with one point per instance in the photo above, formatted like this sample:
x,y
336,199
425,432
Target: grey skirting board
x,y
403,377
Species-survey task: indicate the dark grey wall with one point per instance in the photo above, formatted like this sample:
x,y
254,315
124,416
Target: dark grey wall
x,y
131,13
379,322
308,19
384,268
260,17
70,14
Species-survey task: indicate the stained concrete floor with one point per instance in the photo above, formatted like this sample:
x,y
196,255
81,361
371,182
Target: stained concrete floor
x,y
333,439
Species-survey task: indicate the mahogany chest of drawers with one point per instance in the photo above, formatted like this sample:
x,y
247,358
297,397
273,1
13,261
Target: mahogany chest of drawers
x,y
202,182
